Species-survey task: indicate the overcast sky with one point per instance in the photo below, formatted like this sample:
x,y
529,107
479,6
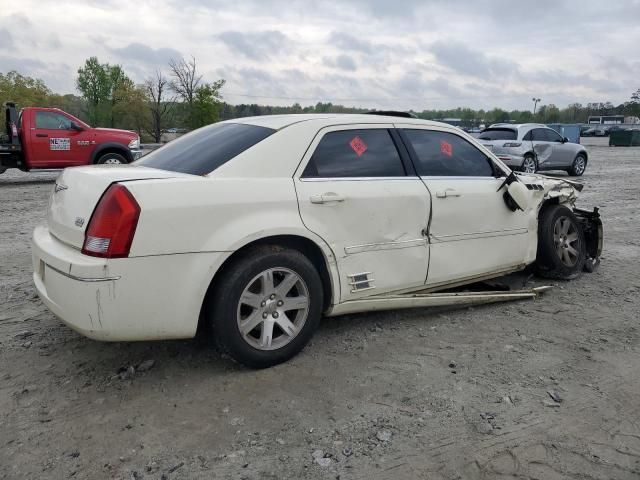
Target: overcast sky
x,y
379,53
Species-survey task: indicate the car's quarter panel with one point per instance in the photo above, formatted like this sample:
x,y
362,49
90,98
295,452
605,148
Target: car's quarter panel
x,y
275,156
142,298
211,214
374,225
203,214
77,191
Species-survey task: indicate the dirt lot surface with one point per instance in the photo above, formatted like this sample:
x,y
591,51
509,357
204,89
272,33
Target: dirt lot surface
x,y
447,394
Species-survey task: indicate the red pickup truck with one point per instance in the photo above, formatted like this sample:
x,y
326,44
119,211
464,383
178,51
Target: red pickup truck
x,y
48,138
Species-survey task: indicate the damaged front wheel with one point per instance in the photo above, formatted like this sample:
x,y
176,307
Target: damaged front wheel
x,y
561,244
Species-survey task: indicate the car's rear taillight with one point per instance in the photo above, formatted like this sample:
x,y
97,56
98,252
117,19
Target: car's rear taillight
x,y
112,225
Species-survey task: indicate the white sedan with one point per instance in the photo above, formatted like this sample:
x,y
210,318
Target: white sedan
x,y
251,229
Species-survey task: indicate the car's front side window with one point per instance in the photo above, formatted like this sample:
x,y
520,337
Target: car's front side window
x,y
355,153
552,135
52,121
443,154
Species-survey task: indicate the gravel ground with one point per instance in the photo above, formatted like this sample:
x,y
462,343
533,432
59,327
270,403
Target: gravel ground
x,y
433,394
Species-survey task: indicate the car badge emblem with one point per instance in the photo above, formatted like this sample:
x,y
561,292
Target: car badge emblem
x,y
59,187
79,221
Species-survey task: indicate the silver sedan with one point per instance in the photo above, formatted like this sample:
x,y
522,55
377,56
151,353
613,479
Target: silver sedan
x,y
531,147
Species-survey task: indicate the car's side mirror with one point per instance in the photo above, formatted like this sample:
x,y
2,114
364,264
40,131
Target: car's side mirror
x,y
517,196
565,140
76,127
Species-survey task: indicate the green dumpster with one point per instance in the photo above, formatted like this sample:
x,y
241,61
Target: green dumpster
x,y
624,138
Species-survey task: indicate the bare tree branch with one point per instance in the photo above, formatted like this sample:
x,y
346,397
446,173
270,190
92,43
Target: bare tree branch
x,y
160,106
186,80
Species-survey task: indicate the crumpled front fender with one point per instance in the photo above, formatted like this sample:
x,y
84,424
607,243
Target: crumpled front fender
x,y
593,235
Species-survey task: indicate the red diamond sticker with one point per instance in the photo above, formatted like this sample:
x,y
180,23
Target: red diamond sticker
x,y
446,148
358,145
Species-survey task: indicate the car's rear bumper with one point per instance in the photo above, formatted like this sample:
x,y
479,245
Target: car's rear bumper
x,y
141,298
512,161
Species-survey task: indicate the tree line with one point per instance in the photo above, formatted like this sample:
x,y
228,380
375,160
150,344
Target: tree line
x,y
181,98
573,113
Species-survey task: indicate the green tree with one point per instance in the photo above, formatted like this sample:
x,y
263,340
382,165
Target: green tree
x,y
104,87
206,106
201,100
551,114
120,88
23,90
132,109
94,82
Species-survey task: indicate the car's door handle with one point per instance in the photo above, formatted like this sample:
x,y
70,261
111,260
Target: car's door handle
x,y
326,198
41,135
449,192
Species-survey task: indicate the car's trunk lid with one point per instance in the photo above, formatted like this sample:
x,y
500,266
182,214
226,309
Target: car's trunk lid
x,y
77,191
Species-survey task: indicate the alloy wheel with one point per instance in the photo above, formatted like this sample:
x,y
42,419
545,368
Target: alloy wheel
x,y
273,309
566,241
529,165
578,165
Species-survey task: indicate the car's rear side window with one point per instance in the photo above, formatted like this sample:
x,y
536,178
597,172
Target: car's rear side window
x,y
355,153
443,154
498,134
203,150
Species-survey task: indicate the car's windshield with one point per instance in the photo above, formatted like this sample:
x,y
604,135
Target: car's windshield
x,y
499,134
203,150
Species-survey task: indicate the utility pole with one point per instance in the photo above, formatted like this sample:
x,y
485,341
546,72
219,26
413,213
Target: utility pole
x,y
535,104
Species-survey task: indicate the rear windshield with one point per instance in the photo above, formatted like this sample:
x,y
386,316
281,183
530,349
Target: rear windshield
x,y
498,134
203,150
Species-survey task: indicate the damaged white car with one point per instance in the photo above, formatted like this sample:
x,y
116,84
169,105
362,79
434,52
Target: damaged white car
x,y
250,230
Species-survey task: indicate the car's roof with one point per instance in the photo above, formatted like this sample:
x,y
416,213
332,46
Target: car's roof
x,y
516,126
278,122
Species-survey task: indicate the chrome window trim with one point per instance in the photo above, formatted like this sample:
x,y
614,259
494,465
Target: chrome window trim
x,y
358,179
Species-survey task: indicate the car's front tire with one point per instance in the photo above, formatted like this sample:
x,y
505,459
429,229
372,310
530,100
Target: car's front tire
x,y
578,166
266,306
111,159
561,244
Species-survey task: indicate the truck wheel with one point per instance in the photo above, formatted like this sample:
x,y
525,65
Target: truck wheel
x,y
266,307
111,159
579,166
561,244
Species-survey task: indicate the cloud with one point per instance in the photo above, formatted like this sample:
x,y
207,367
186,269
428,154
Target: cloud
x,y
367,53
341,62
345,41
467,61
25,66
255,45
6,39
140,52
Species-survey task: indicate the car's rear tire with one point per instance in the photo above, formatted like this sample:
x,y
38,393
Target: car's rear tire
x,y
561,244
111,158
578,166
266,306
529,164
